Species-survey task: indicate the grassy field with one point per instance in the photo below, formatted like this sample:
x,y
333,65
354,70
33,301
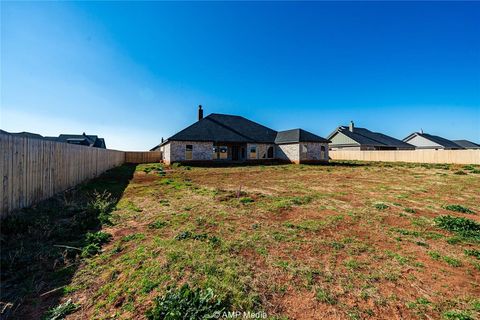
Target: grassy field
x,y
339,241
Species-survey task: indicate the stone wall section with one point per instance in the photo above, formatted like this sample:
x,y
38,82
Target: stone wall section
x,y
313,152
175,151
288,152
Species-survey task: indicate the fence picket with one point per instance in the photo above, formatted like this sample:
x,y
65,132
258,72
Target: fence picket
x,y
32,169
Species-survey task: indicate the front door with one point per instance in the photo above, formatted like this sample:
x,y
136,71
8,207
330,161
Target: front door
x,y
235,153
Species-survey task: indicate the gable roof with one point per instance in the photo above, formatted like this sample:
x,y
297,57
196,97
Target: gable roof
x,y
225,128
297,135
438,140
366,137
467,144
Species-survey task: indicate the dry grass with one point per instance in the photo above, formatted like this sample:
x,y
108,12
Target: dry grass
x,y
343,241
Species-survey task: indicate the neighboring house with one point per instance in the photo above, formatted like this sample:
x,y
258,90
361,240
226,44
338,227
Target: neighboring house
x,y
79,139
24,134
427,141
467,144
229,138
353,138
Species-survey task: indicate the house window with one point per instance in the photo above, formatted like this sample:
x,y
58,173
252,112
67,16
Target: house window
x,y
322,152
188,152
304,148
270,152
220,152
223,152
253,152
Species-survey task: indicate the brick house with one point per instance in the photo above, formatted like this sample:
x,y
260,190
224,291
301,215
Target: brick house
x,y
221,138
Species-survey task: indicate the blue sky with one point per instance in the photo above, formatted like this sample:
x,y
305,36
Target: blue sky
x,y
135,72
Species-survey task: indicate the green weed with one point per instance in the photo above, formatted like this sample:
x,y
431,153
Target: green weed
x,y
473,252
187,303
157,224
99,237
101,206
457,315
452,261
325,296
458,208
461,226
246,200
61,311
352,264
381,206
435,255
133,236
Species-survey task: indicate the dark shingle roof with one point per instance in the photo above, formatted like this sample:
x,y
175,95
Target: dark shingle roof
x,y
438,140
467,144
82,139
297,135
366,137
225,128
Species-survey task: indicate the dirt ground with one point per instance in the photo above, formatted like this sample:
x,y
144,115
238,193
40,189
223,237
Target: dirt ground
x,y
340,241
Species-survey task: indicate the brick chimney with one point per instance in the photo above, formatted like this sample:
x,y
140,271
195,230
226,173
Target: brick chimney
x,y
200,113
351,126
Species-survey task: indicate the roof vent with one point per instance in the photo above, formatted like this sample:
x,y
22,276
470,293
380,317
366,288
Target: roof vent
x,y
351,126
200,113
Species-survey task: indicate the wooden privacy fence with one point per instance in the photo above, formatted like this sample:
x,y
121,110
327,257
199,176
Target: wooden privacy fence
x,y
419,156
142,157
32,170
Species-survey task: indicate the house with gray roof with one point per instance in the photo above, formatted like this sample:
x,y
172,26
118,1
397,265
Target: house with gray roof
x,y
466,144
354,138
223,138
78,139
423,140
81,139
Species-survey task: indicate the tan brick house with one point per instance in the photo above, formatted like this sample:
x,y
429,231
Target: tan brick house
x,y
223,138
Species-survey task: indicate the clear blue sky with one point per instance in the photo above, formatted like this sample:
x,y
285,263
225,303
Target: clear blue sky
x,y
134,72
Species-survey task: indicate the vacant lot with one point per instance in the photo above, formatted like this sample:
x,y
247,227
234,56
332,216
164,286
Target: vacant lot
x,y
339,241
